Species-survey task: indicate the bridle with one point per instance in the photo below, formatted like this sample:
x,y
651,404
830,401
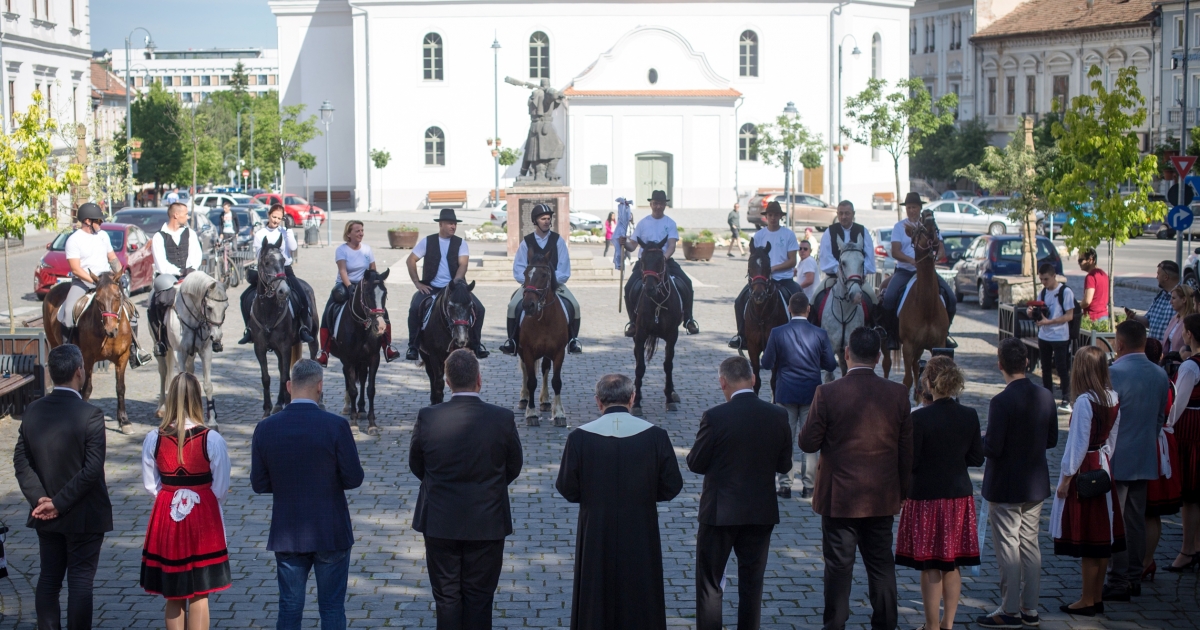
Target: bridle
x,y
368,313
538,292
468,323
848,279
664,286
267,289
929,245
202,331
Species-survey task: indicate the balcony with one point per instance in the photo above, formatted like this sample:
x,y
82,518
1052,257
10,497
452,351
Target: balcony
x,y
1174,115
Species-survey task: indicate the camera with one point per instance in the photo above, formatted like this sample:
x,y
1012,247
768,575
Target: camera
x,y
1040,310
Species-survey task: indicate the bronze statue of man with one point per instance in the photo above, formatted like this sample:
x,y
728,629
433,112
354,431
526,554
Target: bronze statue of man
x,y
543,148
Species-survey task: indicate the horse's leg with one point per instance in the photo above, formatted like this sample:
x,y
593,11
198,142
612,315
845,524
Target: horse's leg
x,y
437,391
87,377
639,355
530,373
544,398
260,351
560,414
285,375
524,383
756,366
668,368
910,364
351,392
165,363
372,370
122,417
211,411
361,370
887,362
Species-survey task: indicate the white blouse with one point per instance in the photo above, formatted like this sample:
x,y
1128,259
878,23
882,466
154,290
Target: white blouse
x,y
218,461
1185,382
1078,437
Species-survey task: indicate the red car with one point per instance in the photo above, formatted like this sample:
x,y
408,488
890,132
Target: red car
x,y
296,209
129,242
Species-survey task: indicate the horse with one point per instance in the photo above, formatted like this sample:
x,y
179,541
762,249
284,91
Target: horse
x,y
843,310
657,314
543,335
192,326
103,330
448,329
355,340
764,310
924,323
274,327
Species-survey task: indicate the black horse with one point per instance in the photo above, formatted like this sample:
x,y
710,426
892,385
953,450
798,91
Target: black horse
x,y
355,340
764,310
273,325
657,313
449,329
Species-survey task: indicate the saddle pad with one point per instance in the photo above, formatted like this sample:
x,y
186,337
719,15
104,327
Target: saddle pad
x,y
561,302
426,310
338,309
907,288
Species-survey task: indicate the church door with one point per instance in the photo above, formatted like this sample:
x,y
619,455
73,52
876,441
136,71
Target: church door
x,y
653,173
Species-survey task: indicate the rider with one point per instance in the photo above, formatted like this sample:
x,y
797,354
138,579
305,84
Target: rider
x,y
353,259
446,257
89,254
177,252
843,231
902,251
652,229
784,249
548,243
275,232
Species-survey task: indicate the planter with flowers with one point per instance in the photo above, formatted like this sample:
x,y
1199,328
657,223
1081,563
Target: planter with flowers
x,y
699,246
402,237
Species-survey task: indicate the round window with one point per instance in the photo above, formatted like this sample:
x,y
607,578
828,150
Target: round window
x,y
653,76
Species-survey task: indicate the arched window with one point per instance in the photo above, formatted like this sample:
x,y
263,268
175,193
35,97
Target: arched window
x,y
433,56
539,56
747,137
876,57
748,54
435,147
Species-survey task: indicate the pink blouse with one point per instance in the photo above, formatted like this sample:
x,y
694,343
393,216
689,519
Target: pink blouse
x,y
608,229
1173,335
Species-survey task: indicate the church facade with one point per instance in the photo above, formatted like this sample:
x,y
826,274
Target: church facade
x,y
663,95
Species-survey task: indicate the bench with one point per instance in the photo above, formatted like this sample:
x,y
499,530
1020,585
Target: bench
x,y
1013,322
18,376
446,198
492,195
883,201
338,195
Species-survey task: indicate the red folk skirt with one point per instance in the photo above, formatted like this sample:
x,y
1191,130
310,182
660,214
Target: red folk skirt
x,y
1163,495
185,558
938,534
1187,435
1086,522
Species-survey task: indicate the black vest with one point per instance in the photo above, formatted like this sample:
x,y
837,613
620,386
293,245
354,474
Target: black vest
x,y
550,251
177,253
836,231
433,258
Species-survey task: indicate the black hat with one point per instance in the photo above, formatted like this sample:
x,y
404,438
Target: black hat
x,y
540,210
89,210
447,214
659,195
773,207
913,197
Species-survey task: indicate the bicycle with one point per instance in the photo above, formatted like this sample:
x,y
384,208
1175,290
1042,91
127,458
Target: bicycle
x,y
221,264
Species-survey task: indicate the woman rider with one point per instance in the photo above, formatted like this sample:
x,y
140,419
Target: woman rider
x,y
275,232
353,258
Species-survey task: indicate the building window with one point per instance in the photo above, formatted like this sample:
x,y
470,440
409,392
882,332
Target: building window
x,y
1195,29
187,97
168,81
1010,95
72,12
187,81
876,56
433,57
1031,94
747,137
955,88
930,35
1179,32
539,56
991,96
35,14
435,147
12,101
1177,89
1062,83
262,79
748,54
205,80
224,79
912,37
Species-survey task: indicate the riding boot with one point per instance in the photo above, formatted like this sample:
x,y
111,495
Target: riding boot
x,y
246,302
306,336
573,346
139,357
245,337
629,329
323,357
68,334
738,342
389,353
509,346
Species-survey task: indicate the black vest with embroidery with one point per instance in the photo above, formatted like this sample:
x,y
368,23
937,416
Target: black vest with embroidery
x,y
177,253
433,258
550,251
836,232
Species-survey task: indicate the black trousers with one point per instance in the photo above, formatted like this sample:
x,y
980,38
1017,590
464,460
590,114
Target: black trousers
x,y
752,544
298,296
633,287
74,556
1057,354
872,537
414,317
464,575
787,287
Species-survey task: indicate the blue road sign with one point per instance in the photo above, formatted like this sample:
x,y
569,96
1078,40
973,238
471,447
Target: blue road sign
x,y
1180,218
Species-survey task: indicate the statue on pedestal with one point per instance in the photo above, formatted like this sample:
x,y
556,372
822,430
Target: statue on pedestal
x,y
543,148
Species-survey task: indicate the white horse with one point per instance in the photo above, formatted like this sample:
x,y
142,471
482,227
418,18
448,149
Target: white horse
x,y
192,327
842,312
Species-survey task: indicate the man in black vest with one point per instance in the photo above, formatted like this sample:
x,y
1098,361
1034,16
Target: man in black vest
x,y
445,260
843,231
554,248
177,252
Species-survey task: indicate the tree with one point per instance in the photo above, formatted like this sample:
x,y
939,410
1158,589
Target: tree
x,y
788,141
238,80
949,149
108,173
1097,136
898,122
30,176
306,162
294,133
508,156
156,118
380,158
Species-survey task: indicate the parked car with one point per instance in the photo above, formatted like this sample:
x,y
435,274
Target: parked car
x,y
960,195
810,210
296,209
990,256
884,263
955,243
248,218
130,243
578,220
215,200
149,220
963,215
994,205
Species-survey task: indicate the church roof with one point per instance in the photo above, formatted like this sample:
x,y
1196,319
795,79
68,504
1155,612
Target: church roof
x,y
1040,17
726,93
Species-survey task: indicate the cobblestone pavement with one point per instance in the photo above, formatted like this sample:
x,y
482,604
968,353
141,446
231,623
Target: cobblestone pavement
x,y
388,584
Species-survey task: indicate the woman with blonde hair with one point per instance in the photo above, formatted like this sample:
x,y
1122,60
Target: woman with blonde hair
x,y
1183,302
185,465
353,259
1086,521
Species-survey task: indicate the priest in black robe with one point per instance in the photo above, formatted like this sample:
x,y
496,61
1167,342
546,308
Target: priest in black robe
x,y
617,468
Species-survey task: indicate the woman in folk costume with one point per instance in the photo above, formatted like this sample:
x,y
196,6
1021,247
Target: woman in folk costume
x,y
1184,420
186,466
1089,528
1163,495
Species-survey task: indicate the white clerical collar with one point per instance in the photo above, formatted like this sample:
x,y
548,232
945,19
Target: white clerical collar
x,y
741,391
618,425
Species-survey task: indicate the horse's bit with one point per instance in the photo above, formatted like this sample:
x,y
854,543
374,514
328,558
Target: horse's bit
x,y
203,322
539,292
368,312
663,280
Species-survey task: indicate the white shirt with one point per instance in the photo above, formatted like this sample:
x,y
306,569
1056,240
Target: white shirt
x,y
807,265
68,389
91,250
1057,332
562,273
171,197
741,391
651,230
158,247
1078,437
358,261
1185,381
443,276
900,235
218,461
783,241
273,236
829,264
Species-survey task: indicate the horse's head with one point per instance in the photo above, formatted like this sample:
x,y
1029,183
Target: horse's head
x,y
852,260
371,301
108,299
758,270
216,302
459,312
924,235
539,279
272,276
654,266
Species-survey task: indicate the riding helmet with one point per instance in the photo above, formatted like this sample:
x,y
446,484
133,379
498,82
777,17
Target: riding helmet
x,y
540,210
89,210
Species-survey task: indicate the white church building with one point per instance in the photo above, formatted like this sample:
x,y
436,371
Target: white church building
x,y
656,94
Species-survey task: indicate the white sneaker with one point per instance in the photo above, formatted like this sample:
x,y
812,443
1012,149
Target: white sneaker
x,y
1064,407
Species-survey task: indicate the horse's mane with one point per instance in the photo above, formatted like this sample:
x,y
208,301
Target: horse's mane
x,y
105,280
195,285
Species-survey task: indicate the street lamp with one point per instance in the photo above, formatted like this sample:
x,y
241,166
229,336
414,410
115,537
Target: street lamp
x,y
791,113
326,118
496,134
239,148
841,147
129,113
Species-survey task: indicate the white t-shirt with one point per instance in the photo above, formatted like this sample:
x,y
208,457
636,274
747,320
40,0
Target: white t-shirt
x,y
782,242
899,235
273,236
651,230
91,250
357,260
805,266
443,276
1057,332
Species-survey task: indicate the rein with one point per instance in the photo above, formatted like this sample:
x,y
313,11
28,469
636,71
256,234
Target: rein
x,y
202,331
444,297
663,280
368,313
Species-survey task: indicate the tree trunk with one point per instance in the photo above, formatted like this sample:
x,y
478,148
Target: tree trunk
x,y
896,171
12,319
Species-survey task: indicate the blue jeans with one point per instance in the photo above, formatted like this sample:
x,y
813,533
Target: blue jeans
x,y
332,569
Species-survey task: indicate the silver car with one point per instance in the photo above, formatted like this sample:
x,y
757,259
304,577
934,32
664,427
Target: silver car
x,y
966,216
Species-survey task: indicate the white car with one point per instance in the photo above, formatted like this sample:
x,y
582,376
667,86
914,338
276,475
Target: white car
x,y
579,220
214,200
966,216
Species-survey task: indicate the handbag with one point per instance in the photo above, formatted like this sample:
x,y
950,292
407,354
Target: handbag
x,y
1093,483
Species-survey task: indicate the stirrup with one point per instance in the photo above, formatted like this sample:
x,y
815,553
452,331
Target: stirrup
x,y
160,349
574,347
629,329
509,347
735,342
691,327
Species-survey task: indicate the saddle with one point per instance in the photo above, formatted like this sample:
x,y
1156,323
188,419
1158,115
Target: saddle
x,y
567,307
82,304
871,309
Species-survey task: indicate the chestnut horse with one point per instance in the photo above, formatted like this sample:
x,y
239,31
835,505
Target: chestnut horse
x,y
764,310
544,335
924,324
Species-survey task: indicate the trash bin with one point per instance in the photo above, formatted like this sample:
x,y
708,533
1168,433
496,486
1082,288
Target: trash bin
x,y
312,233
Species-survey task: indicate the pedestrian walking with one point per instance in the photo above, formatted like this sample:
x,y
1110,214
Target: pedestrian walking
x,y
735,230
1095,286
617,468
1159,313
610,224
307,460
1022,425
1142,388
796,353
59,462
465,452
1053,331
1086,520
740,447
860,424
1185,422
938,532
185,465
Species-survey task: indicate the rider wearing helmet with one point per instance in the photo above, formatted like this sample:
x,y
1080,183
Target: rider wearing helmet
x,y
89,254
177,252
784,250
549,244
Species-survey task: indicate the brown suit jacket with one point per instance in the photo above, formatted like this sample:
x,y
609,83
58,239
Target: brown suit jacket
x,y
860,424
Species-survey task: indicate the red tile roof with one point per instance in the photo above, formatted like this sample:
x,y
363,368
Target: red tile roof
x,y
105,82
726,93
1037,17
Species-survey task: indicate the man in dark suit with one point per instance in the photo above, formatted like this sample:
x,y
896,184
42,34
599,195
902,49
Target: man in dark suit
x,y
740,447
860,425
797,352
306,459
59,462
465,452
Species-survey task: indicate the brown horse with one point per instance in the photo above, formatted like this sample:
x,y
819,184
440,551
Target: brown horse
x,y
764,310
924,324
543,335
104,332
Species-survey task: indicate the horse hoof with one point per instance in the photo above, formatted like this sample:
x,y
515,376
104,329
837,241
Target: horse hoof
x,y
532,421
373,430
524,404
346,409
560,421
545,407
276,409
354,428
675,397
636,411
672,406
127,427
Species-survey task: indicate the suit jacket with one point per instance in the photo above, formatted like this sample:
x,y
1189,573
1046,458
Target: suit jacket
x,y
465,452
1142,389
739,448
797,352
60,454
1022,425
860,425
307,459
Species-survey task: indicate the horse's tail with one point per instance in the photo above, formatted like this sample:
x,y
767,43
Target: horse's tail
x,y
651,346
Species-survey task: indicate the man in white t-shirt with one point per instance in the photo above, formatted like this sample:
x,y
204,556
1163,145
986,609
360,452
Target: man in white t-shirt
x,y
444,259
656,228
89,254
783,252
806,270
906,262
1054,332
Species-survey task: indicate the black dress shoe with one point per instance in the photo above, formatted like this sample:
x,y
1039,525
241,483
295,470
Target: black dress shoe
x,y
785,493
509,347
1115,593
160,349
482,352
306,336
574,347
629,330
1086,611
806,493
411,354
245,338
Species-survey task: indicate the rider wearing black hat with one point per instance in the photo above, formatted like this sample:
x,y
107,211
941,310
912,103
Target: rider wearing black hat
x,y
444,259
548,243
652,229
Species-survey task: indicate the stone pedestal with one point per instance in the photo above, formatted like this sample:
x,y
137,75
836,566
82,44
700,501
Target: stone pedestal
x,y
1019,289
522,198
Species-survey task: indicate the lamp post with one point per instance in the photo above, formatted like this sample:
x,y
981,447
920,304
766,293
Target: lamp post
x,y
496,133
326,118
791,113
239,148
841,147
129,113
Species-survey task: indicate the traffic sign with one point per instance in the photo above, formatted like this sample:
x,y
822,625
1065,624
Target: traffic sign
x,y
1183,164
1180,218
1173,194
245,172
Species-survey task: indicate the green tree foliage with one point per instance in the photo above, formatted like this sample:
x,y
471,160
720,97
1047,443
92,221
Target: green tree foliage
x,y
897,122
787,134
306,162
238,80
107,173
294,133
380,158
156,118
950,148
1013,169
508,156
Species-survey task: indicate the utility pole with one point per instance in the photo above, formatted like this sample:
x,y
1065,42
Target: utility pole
x,y
1183,133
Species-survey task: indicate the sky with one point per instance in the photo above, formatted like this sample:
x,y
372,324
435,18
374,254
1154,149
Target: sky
x,y
183,24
